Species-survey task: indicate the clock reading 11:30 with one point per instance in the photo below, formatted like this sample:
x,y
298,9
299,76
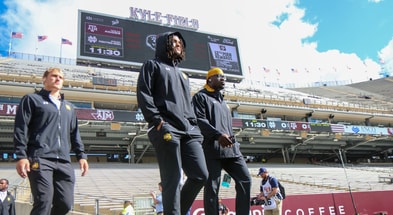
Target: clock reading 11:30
x,y
254,124
105,51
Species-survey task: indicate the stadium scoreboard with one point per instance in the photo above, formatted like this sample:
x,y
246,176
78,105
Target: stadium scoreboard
x,y
116,42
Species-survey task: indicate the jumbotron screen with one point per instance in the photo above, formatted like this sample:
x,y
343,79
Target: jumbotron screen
x,y
116,41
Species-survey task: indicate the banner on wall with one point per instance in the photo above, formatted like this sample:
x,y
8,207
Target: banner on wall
x,y
373,202
135,116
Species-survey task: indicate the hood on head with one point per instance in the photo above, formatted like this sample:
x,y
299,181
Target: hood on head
x,y
161,45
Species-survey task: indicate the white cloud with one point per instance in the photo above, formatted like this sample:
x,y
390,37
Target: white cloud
x,y
262,44
386,56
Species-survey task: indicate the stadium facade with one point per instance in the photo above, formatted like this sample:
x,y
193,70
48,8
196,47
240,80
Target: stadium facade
x,y
272,124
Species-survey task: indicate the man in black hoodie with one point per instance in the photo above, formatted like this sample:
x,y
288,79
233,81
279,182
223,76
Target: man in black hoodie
x,y
222,151
164,98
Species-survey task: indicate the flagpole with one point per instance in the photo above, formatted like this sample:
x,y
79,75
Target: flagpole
x,y
10,45
61,47
36,48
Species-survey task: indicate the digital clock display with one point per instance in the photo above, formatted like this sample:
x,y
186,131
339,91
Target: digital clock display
x,y
121,41
254,124
107,51
280,125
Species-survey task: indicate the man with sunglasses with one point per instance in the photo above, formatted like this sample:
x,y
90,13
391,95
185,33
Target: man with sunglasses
x,y
222,151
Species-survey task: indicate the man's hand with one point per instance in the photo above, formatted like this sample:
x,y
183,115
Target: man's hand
x,y
160,125
225,141
84,166
262,197
22,167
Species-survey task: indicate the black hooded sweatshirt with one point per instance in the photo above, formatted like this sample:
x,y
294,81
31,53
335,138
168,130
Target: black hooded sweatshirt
x,y
163,91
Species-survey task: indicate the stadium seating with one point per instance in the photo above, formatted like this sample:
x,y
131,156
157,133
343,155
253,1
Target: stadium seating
x,y
110,184
343,98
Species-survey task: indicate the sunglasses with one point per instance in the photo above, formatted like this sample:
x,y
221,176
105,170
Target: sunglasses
x,y
221,76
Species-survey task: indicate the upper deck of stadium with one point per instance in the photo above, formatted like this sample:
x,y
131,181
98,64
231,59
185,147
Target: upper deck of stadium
x,y
366,104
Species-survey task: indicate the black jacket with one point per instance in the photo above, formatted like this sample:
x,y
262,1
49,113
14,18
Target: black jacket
x,y
41,130
163,91
214,118
7,207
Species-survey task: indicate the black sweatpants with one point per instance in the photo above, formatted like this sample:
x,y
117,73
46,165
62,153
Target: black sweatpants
x,y
176,151
52,187
238,170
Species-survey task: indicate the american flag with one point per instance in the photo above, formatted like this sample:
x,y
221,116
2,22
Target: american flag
x,y
337,128
18,35
65,41
42,38
294,70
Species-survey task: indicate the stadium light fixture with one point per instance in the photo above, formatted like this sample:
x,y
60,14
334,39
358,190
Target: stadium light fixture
x,y
251,140
309,114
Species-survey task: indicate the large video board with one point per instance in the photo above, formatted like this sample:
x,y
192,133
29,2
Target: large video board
x,y
111,40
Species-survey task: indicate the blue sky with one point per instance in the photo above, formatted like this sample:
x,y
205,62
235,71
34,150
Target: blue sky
x,y
361,27
282,41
